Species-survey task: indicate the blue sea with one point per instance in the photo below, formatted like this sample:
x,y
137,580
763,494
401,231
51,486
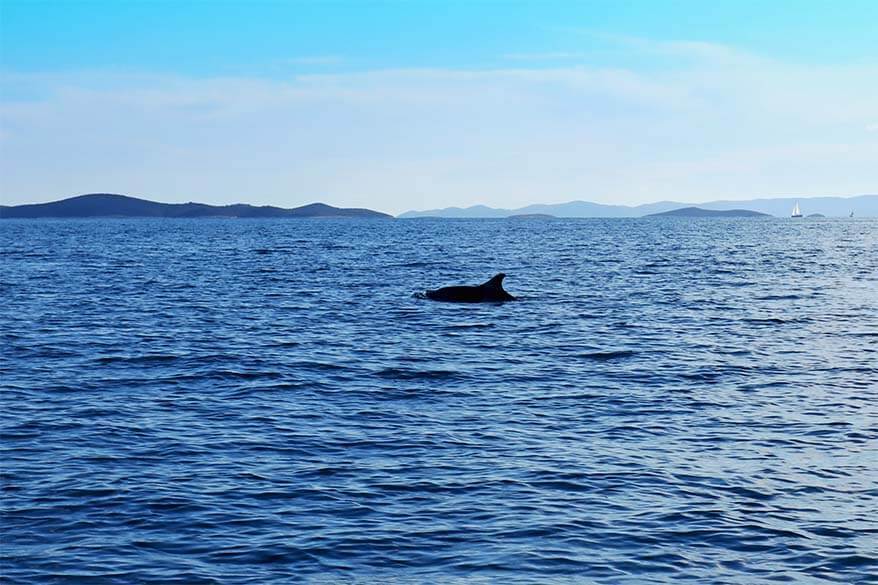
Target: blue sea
x,y
236,401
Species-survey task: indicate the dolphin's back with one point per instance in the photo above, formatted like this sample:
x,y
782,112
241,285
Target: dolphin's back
x,y
489,292
457,294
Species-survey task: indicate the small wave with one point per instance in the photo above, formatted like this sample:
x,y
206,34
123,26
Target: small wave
x,y
470,326
768,321
320,366
406,374
415,264
603,356
141,359
561,485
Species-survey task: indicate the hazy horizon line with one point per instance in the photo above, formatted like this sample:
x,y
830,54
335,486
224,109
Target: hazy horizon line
x,y
458,207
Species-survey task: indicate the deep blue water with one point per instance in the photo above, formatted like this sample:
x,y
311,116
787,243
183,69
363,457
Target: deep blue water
x,y
230,401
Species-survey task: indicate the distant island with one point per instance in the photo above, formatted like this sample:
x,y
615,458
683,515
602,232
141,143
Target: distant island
x,y
699,212
861,206
532,216
112,205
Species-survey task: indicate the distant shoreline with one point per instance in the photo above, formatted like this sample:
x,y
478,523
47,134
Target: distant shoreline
x,y
110,205
860,205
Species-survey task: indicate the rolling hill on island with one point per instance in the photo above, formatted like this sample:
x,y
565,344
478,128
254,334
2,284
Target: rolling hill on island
x,y
860,206
112,205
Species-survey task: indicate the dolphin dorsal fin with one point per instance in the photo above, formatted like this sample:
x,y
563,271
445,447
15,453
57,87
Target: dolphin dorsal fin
x,y
495,282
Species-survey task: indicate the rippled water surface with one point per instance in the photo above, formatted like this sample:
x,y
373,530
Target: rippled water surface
x,y
230,401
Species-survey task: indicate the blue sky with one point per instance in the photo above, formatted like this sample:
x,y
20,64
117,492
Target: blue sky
x,y
399,105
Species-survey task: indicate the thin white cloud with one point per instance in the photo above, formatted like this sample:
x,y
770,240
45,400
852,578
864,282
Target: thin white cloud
x,y
722,127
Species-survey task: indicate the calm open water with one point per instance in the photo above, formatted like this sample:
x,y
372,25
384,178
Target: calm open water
x,y
232,401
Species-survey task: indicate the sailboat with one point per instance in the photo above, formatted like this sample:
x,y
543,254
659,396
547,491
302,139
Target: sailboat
x,y
796,212
852,213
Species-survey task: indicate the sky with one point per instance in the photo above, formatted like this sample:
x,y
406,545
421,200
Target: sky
x,y
419,105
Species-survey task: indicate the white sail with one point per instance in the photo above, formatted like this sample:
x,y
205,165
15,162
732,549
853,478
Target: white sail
x,y
796,212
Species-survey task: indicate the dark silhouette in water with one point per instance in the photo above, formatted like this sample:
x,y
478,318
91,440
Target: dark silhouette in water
x,y
489,292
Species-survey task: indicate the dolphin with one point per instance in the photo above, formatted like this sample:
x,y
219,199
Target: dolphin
x,y
489,292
